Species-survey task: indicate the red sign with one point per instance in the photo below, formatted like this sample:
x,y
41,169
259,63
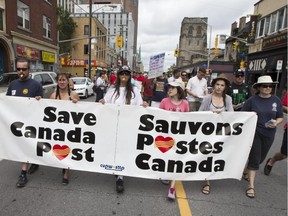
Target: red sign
x,y
27,52
78,63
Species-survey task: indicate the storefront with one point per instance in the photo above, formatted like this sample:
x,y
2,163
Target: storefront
x,y
274,50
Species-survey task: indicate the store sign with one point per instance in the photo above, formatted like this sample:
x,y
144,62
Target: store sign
x,y
78,63
257,64
48,57
279,40
27,52
252,29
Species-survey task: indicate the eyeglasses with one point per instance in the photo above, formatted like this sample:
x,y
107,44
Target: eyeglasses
x,y
266,86
239,75
23,69
124,73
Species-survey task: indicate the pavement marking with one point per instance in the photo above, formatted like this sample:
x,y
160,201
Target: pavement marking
x,y
183,204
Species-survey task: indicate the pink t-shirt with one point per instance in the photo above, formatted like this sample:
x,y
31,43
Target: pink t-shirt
x,y
167,104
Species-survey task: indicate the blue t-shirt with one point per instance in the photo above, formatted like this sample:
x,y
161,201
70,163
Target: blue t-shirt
x,y
26,88
266,109
160,89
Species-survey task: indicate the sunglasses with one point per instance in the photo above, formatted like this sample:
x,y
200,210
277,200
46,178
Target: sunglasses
x,y
124,73
239,75
267,86
23,69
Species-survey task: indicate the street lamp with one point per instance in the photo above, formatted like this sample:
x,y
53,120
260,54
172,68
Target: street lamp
x,y
209,49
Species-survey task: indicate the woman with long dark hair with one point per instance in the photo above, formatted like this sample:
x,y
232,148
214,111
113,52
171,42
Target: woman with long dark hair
x,y
218,101
122,92
63,92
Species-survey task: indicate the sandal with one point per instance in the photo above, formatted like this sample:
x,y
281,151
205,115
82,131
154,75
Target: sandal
x,y
206,189
65,179
245,176
250,192
267,168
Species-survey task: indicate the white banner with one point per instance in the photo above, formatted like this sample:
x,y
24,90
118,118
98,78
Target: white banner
x,y
126,140
156,65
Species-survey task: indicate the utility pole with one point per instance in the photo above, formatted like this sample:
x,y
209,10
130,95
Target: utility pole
x,y
90,35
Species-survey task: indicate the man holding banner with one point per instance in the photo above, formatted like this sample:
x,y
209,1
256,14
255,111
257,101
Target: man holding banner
x,y
25,87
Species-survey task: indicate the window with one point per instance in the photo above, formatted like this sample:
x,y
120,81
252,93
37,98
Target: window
x,y
46,27
267,22
23,15
199,32
86,29
1,19
190,31
85,49
273,23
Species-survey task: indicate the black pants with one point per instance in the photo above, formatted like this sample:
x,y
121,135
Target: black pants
x,y
99,94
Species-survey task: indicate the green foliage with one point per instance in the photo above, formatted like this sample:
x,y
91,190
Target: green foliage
x,y
66,27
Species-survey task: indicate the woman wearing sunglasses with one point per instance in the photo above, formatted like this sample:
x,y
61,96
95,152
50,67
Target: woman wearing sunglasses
x,y
122,92
269,111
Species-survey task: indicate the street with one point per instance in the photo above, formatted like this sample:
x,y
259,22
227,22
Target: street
x,y
91,194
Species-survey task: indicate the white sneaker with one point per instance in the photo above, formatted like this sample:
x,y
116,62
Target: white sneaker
x,y
171,194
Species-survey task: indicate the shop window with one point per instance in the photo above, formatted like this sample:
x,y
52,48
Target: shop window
x,y
46,27
23,15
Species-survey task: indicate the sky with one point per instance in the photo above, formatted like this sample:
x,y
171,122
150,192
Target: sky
x,y
159,23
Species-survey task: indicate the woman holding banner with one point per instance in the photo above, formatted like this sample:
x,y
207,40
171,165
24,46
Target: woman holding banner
x,y
218,101
270,114
63,92
122,92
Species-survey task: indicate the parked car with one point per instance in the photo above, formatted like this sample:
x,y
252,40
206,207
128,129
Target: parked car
x,y
45,78
83,86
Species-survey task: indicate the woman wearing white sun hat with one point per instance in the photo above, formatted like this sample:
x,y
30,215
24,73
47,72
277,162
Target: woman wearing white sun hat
x,y
268,108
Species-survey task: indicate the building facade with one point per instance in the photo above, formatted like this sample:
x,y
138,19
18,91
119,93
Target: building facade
x,y
77,64
68,5
268,55
129,6
28,31
117,24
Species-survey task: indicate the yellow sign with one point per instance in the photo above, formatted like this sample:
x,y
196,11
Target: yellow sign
x,y
48,57
119,41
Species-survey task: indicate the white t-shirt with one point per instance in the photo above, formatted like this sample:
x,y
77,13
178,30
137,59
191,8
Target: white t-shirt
x,y
172,79
135,100
197,86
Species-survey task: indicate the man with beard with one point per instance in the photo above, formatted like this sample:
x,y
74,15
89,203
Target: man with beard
x,y
25,87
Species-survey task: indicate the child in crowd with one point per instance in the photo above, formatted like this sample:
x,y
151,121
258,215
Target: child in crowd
x,y
175,102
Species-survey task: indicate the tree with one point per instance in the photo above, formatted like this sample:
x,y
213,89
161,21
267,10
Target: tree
x,y
66,27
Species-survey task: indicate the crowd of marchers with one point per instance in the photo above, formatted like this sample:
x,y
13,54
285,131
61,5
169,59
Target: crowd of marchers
x,y
177,93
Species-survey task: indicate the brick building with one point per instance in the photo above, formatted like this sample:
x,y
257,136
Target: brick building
x,y
28,30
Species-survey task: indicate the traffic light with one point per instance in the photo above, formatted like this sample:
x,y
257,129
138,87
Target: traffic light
x,y
68,58
62,61
235,46
119,43
176,52
216,46
242,64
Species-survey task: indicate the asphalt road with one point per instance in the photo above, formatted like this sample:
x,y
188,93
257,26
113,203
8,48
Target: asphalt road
x,y
91,194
